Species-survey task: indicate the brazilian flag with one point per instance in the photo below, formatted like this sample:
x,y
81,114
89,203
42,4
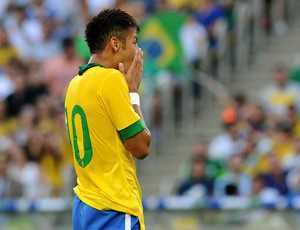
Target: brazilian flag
x,y
160,40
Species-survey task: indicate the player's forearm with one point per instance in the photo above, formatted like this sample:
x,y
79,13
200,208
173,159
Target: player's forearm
x,y
135,101
138,110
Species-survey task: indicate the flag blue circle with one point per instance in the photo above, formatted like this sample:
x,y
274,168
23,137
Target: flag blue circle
x,y
153,48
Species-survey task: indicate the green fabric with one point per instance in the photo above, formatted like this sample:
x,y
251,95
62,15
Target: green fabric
x,y
87,143
160,39
214,169
295,74
132,130
82,48
84,68
230,16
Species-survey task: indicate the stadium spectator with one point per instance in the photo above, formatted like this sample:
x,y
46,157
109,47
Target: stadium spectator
x,y
255,117
26,173
51,164
47,46
283,140
274,17
293,181
213,168
262,195
19,98
292,164
34,146
258,186
24,32
293,161
294,119
193,37
7,126
276,178
281,18
240,103
283,93
24,126
228,143
9,188
267,16
234,182
6,85
62,10
59,70
194,42
198,182
211,16
7,51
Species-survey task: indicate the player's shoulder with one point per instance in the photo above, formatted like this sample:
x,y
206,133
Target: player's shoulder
x,y
114,76
114,73
114,82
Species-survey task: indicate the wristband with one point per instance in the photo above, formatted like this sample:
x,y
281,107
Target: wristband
x,y
135,99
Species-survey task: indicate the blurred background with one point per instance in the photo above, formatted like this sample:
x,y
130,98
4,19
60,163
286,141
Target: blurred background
x,y
221,96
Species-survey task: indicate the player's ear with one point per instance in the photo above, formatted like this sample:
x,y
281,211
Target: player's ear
x,y
115,44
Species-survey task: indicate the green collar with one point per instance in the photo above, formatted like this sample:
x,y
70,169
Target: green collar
x,y
85,67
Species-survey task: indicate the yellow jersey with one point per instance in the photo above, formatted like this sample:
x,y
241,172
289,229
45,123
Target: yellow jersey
x,y
99,116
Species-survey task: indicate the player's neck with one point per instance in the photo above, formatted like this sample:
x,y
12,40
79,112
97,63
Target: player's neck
x,y
101,60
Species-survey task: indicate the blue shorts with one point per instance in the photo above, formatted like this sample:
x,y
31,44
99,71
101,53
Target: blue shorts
x,y
85,217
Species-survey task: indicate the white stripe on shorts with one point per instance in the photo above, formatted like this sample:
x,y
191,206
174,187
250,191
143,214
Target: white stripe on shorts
x,y
127,222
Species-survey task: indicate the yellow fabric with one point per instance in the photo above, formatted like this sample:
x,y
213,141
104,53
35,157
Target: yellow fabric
x,y
7,54
8,126
64,146
109,180
296,129
284,149
51,169
263,165
182,3
283,98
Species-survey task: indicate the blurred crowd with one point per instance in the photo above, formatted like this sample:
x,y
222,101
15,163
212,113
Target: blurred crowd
x,y
258,152
41,48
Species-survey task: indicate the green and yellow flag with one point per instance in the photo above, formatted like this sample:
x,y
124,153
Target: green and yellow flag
x,y
160,40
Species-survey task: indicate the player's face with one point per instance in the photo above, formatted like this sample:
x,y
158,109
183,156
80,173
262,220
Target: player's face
x,y
129,48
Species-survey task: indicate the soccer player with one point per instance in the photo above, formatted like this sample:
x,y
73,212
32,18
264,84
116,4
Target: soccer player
x,y
106,126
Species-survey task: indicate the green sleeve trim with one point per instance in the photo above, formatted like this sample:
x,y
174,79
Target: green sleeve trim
x,y
132,130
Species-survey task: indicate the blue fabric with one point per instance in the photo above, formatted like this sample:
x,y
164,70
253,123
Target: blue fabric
x,y
188,184
242,182
85,217
279,183
209,16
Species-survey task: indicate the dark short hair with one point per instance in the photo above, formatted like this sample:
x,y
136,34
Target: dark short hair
x,y
108,23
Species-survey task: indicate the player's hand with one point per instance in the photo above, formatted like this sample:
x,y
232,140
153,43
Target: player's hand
x,y
135,71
